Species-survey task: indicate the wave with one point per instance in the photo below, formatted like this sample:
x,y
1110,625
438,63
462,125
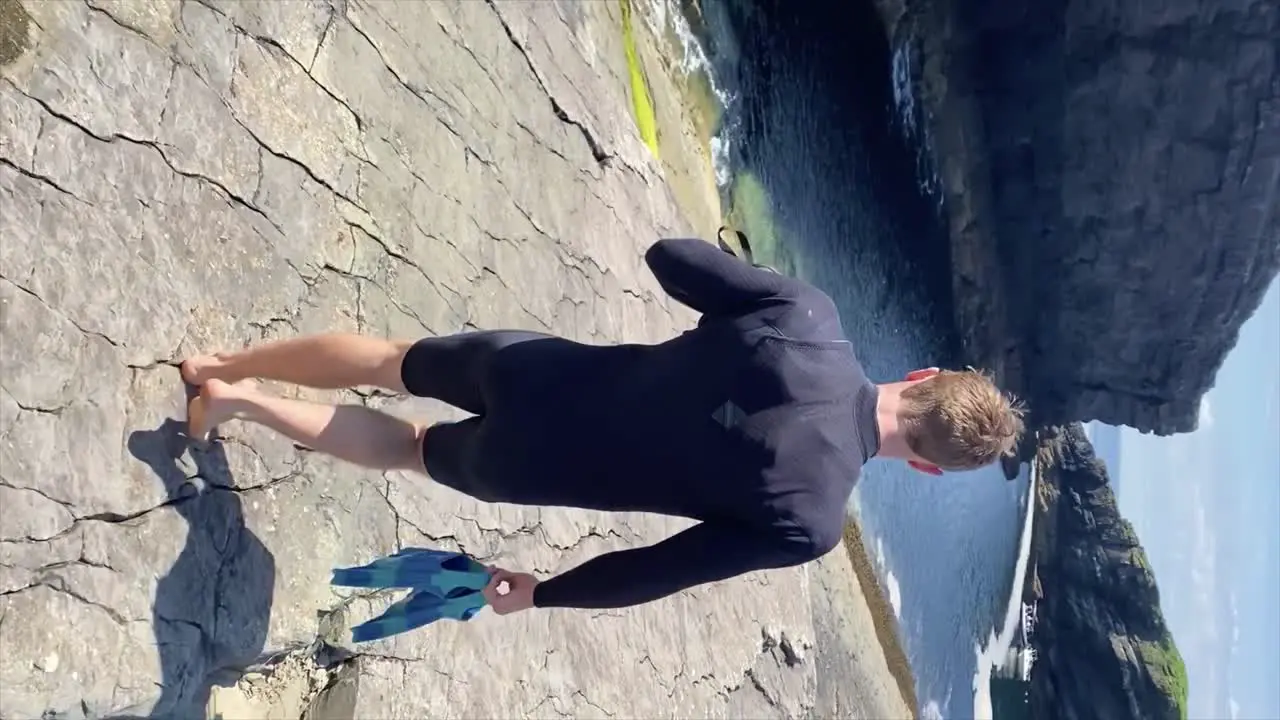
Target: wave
x,y
910,113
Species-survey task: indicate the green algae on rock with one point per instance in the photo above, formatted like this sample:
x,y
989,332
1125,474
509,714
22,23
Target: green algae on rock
x,y
641,99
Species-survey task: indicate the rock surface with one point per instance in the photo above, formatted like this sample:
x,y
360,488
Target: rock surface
x,y
1102,646
1111,174
183,175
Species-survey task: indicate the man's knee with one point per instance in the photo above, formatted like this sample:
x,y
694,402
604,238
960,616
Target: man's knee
x,y
402,449
390,370
416,457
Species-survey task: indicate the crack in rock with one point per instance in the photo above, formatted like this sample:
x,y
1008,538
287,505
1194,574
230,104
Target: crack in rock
x,y
598,152
231,196
58,585
42,179
405,84
274,46
56,311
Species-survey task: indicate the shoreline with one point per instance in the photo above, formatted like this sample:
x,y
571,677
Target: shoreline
x,y
888,632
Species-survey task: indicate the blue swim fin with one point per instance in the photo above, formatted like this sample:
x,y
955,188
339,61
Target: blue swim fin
x,y
419,568
444,584
418,609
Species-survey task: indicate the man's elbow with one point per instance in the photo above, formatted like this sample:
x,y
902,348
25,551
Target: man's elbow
x,y
824,543
815,542
667,249
796,550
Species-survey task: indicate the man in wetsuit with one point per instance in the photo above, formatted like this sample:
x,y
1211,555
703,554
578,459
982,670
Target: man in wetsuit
x,y
756,423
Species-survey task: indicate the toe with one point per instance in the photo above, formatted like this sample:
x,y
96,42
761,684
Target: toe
x,y
196,415
189,370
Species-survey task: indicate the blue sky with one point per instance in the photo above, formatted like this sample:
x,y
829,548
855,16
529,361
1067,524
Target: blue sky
x,y
1206,506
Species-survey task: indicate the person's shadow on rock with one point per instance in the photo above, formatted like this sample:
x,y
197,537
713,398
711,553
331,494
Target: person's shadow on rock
x,y
213,607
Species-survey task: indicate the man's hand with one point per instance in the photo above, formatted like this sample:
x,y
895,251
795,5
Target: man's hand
x,y
509,592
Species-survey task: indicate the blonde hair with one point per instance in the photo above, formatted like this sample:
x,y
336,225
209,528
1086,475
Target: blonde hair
x,y
960,420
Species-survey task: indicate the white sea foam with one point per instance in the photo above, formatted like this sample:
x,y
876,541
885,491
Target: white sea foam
x,y
997,646
910,116
665,20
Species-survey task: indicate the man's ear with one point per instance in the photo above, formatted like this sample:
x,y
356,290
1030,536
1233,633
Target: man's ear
x,y
922,374
926,468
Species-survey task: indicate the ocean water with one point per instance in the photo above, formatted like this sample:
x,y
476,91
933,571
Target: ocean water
x,y
820,110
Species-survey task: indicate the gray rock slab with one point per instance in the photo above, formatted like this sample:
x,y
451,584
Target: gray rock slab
x,y
180,177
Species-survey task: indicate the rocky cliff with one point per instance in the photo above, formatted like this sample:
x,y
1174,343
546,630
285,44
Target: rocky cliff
x,y
1110,174
1102,647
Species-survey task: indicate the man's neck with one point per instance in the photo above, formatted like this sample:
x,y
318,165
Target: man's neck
x,y
892,442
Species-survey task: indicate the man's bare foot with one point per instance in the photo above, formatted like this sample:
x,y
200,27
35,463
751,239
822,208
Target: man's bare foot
x,y
200,369
217,402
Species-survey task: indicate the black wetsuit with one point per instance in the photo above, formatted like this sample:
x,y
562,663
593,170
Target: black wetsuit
x,y
757,423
